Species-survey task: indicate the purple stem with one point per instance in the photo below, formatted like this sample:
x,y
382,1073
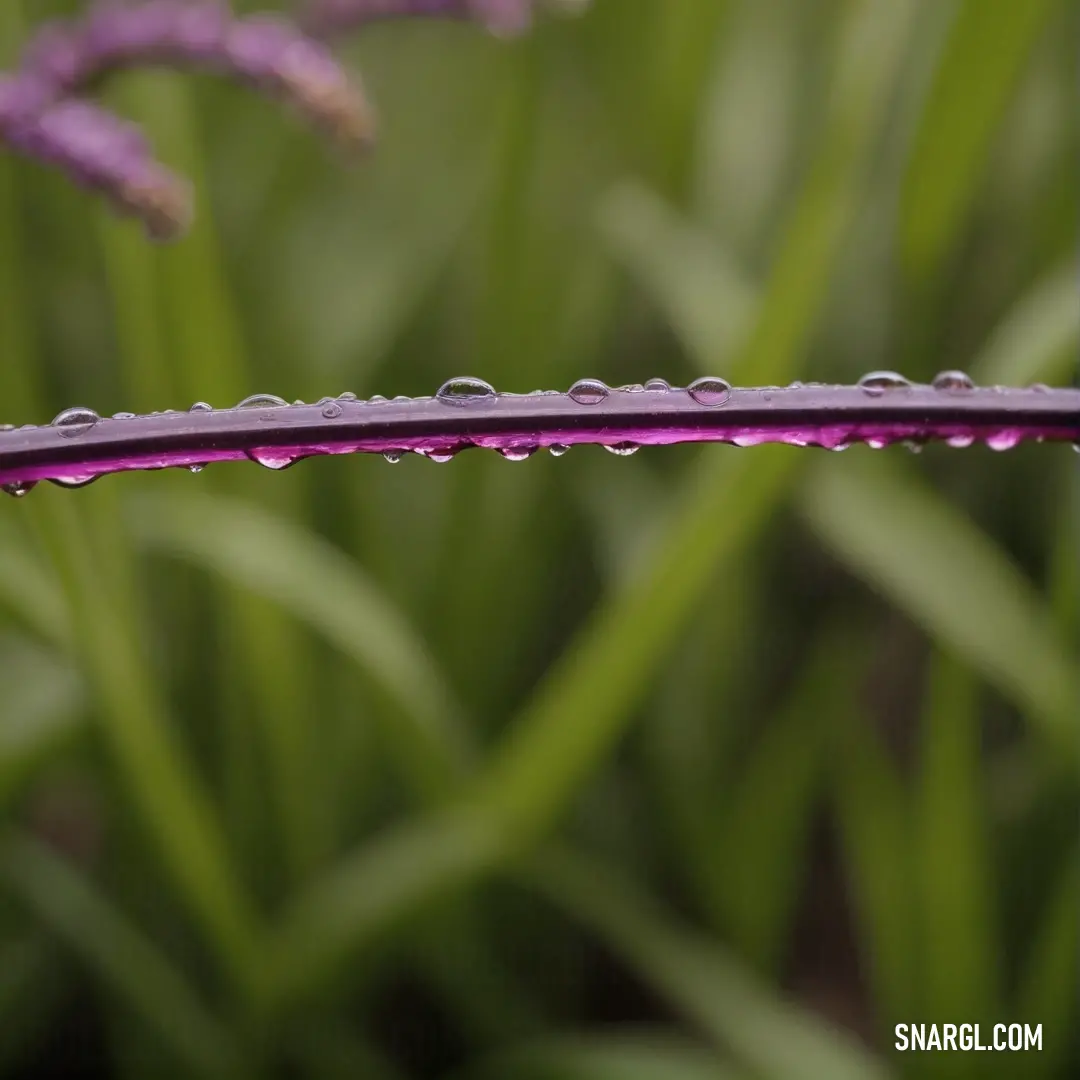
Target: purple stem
x,y
78,446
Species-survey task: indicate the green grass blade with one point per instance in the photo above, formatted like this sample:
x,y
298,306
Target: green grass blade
x,y
118,955
935,565
640,1056
873,814
332,1050
373,891
205,344
1038,338
772,1038
705,296
258,551
1049,990
165,789
44,708
131,271
586,700
19,389
767,817
30,592
988,45
960,944
30,997
684,37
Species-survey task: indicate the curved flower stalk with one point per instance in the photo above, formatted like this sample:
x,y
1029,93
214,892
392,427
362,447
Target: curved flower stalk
x,y
98,151
883,408
262,51
39,119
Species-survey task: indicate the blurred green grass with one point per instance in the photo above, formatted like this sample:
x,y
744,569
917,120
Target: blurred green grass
x,y
712,763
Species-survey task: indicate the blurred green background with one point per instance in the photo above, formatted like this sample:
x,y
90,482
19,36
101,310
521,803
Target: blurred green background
x,y
711,763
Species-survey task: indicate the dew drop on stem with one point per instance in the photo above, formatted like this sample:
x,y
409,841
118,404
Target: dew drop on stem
x,y
464,391
588,392
876,383
75,421
709,390
270,458
73,481
953,381
262,401
518,453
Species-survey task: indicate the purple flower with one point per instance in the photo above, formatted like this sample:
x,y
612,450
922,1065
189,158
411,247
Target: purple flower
x,y
38,117
262,51
98,151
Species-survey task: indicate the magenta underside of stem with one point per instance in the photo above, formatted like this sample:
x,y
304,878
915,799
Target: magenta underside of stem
x,y
77,446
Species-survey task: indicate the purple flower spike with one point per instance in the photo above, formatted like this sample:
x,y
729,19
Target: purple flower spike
x,y
265,52
98,151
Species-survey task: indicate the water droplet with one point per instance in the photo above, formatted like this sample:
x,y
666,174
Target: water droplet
x,y
658,386
123,416
632,388
262,401
1003,440
19,488
558,449
376,399
332,410
957,381
709,390
441,457
623,449
588,392
518,453
271,458
913,446
1040,388
960,442
201,406
299,401
876,383
76,421
77,480
196,468
876,444
465,391
7,427
346,395
393,456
